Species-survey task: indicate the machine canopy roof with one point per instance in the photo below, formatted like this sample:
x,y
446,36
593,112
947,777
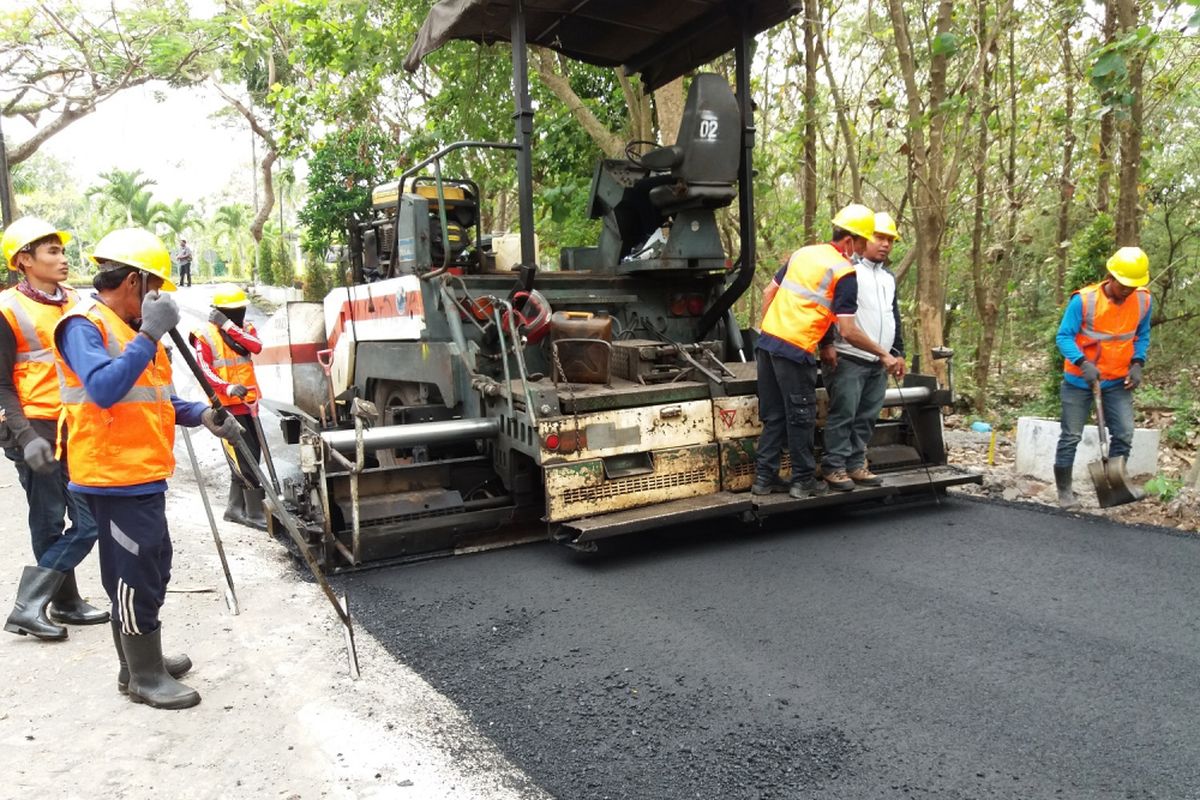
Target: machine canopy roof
x,y
661,39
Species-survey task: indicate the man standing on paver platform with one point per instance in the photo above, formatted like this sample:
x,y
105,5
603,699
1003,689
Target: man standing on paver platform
x,y
120,412
29,397
1103,338
856,378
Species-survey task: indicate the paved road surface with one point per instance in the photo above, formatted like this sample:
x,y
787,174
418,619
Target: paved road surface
x,y
966,651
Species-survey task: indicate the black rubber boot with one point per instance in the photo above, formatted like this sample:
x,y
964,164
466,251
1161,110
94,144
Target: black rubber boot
x,y
1062,481
29,611
235,509
177,666
68,607
149,681
255,515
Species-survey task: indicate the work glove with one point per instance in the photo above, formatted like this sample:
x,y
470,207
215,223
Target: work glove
x,y
236,390
39,455
1134,379
159,314
228,428
1091,373
217,318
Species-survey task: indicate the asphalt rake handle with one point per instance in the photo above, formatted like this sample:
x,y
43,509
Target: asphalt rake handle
x,y
289,522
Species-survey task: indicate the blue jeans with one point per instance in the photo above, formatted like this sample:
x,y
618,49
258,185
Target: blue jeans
x,y
787,406
855,400
49,502
1077,407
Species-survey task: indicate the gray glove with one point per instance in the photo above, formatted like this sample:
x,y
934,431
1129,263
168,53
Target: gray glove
x,y
236,390
1091,373
1134,379
217,318
159,314
228,428
39,455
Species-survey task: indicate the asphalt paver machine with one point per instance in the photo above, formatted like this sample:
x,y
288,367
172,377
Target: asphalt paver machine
x,y
453,397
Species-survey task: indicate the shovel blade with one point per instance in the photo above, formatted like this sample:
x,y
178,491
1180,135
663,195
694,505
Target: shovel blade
x,y
1113,487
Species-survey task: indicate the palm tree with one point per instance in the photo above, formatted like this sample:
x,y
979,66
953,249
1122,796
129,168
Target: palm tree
x,y
119,192
232,226
178,217
145,211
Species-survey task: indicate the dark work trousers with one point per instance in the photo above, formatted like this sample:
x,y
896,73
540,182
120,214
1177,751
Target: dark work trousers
x,y
185,274
135,556
50,503
855,399
251,439
787,406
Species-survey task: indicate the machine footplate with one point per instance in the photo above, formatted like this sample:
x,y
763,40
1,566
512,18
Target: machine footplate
x,y
639,519
912,481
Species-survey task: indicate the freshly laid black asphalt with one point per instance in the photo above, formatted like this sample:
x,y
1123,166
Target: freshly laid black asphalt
x,y
962,651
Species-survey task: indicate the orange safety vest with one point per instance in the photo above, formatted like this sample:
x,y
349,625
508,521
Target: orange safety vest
x,y
230,365
1108,331
34,375
133,441
802,309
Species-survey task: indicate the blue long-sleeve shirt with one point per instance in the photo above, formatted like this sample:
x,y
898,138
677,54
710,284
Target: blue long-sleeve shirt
x,y
1072,321
107,380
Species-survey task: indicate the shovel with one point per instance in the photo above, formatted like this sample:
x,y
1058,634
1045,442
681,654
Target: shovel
x,y
1109,474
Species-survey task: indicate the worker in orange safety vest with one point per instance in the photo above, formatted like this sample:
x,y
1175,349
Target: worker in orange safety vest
x,y
815,289
48,593
223,350
1103,337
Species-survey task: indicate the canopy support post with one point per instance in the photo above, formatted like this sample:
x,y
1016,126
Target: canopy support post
x,y
523,120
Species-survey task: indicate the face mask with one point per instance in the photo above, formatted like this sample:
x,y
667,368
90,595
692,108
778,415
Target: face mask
x,y
236,315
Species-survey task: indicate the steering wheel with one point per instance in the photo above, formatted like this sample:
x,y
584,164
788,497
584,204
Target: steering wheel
x,y
632,154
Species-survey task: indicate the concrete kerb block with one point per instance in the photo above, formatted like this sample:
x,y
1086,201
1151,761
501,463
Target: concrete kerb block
x,y
277,295
1037,440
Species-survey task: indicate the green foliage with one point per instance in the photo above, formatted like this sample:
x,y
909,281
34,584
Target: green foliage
x,y
342,171
1186,424
285,273
317,279
266,262
1090,251
1164,487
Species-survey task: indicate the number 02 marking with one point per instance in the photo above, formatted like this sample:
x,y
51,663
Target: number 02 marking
x,y
708,129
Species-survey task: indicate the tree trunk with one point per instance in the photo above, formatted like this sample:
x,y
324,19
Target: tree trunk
x,y
928,164
1128,220
1066,189
982,295
835,93
1107,125
612,145
811,12
669,101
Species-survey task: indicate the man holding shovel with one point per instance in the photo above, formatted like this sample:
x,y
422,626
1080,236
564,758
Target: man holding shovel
x,y
1103,338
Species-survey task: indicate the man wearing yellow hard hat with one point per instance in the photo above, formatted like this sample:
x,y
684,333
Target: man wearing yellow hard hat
x,y
120,412
816,288
223,348
855,378
29,396
1103,338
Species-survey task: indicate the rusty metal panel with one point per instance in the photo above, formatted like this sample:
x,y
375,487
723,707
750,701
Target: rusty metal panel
x,y
580,489
626,430
736,417
737,465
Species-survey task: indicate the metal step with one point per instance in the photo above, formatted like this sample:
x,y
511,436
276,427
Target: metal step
x,y
639,519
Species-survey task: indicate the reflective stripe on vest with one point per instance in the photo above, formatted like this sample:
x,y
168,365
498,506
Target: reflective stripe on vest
x,y
131,442
230,365
1108,331
802,309
34,376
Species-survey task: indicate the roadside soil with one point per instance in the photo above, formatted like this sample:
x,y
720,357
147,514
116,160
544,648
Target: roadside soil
x,y
968,448
280,716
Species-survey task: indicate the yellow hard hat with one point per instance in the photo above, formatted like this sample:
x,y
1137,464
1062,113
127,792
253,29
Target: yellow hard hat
x,y
230,296
857,219
24,232
1130,266
886,225
136,247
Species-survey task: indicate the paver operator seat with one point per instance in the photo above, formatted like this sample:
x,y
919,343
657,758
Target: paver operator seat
x,y
676,187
